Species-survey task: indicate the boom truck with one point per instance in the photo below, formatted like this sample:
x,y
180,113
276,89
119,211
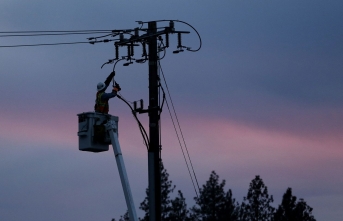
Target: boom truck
x,y
96,132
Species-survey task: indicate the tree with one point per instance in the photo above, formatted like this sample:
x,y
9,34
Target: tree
x,y
169,208
230,210
213,204
256,205
178,210
125,217
290,210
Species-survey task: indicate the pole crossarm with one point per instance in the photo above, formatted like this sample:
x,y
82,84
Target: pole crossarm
x,y
135,37
143,37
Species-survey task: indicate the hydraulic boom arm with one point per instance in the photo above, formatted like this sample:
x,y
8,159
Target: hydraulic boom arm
x,y
112,130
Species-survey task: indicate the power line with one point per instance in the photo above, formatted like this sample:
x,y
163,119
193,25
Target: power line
x,y
49,34
75,31
141,128
45,44
164,20
184,142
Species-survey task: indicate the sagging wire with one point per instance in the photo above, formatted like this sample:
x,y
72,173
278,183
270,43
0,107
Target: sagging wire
x,y
189,49
114,66
161,48
164,97
160,112
177,134
110,61
141,127
161,106
200,45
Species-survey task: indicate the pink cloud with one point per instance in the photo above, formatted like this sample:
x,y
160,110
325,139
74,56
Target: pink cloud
x,y
215,142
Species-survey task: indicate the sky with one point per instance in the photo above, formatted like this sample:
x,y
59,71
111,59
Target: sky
x,y
263,96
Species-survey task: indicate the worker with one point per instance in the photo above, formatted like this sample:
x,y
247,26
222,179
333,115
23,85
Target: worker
x,y
101,101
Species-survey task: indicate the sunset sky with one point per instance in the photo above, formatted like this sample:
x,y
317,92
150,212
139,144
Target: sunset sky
x,y
263,96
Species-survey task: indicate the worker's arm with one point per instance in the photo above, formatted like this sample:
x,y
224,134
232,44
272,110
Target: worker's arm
x,y
107,96
109,78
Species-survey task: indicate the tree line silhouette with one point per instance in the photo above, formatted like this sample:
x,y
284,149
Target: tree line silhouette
x,y
214,204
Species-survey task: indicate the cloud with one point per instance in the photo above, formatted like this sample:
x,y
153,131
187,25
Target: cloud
x,y
263,96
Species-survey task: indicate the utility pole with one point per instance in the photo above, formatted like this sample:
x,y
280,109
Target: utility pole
x,y
151,37
154,125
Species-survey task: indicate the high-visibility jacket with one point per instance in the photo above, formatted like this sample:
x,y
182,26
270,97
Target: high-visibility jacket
x,y
101,105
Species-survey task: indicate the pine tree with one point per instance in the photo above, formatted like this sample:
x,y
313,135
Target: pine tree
x,y
178,211
303,212
230,210
290,210
256,205
166,189
169,208
125,217
213,204
145,206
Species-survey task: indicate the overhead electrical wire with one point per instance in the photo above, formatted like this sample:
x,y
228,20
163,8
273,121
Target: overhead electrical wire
x,y
52,33
162,48
195,32
177,134
141,128
165,20
44,44
74,31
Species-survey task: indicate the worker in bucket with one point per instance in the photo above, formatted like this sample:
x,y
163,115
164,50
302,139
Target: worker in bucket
x,y
101,101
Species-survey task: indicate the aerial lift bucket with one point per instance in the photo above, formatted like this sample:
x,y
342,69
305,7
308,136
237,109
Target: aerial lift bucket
x,y
92,133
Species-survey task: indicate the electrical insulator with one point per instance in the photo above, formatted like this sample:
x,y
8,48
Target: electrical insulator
x,y
136,32
128,51
141,103
132,49
135,105
171,25
179,43
144,49
117,52
121,37
167,40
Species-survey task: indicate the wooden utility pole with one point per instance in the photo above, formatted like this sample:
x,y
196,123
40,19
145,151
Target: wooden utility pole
x,y
154,124
150,37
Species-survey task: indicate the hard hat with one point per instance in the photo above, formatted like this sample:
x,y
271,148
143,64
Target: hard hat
x,y
100,86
